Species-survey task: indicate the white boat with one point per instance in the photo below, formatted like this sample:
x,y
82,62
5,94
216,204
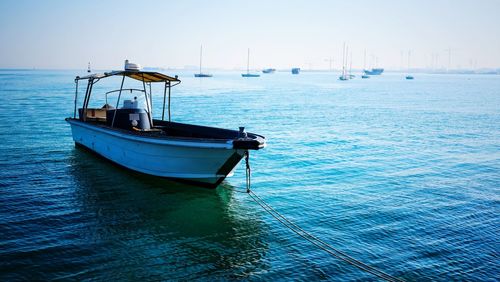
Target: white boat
x,y
248,74
201,74
131,137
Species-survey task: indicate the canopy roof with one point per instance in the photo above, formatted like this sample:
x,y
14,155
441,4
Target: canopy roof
x,y
147,76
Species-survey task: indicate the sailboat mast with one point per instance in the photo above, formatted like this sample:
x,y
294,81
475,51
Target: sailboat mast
x,y
248,61
201,55
409,52
346,54
343,60
350,66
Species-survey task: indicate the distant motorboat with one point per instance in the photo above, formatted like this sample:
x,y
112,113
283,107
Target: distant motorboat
x,y
202,74
365,76
410,77
268,70
248,74
374,71
295,70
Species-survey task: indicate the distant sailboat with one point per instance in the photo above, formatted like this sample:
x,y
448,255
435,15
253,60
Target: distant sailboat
x,y
88,68
248,74
409,76
344,76
364,67
202,74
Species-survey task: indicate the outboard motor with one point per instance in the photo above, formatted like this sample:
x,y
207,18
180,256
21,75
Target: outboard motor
x,y
130,116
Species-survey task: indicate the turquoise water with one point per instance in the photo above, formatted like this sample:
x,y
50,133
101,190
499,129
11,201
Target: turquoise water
x,y
402,175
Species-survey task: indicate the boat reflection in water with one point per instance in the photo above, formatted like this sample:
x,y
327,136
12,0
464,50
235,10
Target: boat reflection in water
x,y
142,227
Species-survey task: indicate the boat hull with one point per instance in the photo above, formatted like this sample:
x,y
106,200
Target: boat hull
x,y
374,71
202,75
250,75
268,71
204,163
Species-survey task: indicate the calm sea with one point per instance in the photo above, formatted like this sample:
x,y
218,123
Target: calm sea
x,y
402,175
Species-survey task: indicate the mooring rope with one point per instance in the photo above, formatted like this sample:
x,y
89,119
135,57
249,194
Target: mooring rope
x,y
308,236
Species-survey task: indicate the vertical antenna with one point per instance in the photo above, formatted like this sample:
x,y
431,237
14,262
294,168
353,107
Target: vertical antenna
x,y
409,53
437,61
350,66
364,61
449,59
402,61
331,61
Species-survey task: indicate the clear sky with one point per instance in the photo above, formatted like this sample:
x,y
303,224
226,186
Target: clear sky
x,y
280,34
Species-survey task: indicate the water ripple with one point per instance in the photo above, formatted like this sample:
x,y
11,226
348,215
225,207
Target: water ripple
x,y
403,177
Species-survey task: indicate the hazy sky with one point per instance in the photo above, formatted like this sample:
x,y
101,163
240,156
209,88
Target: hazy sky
x,y
281,34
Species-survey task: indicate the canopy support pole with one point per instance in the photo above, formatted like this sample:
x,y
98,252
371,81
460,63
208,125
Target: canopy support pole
x,y
86,104
85,101
151,98
118,101
169,86
164,98
76,98
147,102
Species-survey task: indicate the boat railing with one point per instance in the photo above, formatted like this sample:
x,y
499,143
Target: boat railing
x,y
125,89
145,77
